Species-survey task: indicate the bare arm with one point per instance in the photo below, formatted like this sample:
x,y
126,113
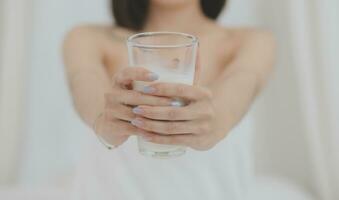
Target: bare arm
x,y
214,110
236,88
98,98
87,77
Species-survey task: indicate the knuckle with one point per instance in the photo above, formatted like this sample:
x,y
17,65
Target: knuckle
x,y
204,128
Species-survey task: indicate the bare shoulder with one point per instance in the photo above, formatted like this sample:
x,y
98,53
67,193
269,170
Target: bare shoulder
x,y
252,49
94,36
83,35
250,38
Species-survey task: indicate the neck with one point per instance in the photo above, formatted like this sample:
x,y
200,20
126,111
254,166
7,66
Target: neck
x,y
178,19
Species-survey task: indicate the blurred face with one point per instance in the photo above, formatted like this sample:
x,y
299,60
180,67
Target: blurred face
x,y
172,3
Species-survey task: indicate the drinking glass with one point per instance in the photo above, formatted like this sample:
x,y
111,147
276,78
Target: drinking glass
x,y
172,56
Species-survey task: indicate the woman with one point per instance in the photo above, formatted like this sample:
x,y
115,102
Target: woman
x,y
235,63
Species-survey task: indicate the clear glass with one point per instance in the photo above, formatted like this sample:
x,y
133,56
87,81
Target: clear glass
x,y
172,56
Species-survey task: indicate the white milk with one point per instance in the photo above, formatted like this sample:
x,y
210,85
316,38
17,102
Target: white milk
x,y
168,77
164,76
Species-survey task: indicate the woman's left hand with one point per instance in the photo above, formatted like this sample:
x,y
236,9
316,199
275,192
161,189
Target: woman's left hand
x,y
192,125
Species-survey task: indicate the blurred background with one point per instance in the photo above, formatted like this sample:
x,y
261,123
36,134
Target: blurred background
x,y
294,122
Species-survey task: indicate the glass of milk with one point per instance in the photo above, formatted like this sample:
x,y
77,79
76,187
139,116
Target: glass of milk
x,y
172,56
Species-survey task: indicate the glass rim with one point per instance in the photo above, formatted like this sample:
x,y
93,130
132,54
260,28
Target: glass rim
x,y
131,42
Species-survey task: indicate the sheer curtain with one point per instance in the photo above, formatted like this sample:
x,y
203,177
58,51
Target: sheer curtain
x,y
297,116
54,133
14,39
327,46
295,119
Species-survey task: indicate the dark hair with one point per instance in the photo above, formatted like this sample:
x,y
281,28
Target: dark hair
x,y
132,14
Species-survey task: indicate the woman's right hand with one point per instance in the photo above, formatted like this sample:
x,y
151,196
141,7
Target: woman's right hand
x,y
113,125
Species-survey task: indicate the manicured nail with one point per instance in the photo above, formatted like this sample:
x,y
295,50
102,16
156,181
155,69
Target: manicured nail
x,y
137,110
177,103
136,122
149,90
153,76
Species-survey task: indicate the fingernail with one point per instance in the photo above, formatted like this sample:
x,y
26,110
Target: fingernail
x,y
177,103
153,76
137,110
149,90
136,122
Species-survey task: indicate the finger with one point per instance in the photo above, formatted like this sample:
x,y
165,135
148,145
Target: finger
x,y
130,74
194,111
116,127
177,90
116,132
167,112
119,111
131,97
181,140
166,127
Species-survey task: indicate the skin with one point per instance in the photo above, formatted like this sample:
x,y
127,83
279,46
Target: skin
x,y
233,66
